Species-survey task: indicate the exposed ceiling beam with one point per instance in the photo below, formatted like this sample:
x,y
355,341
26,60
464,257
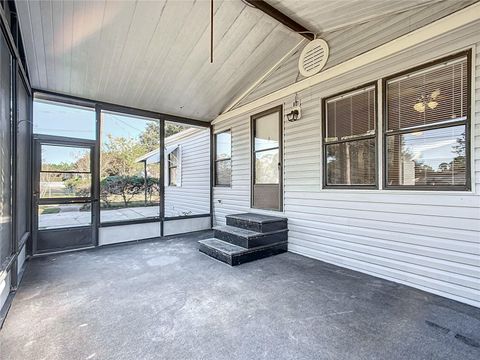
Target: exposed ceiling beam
x,y
282,18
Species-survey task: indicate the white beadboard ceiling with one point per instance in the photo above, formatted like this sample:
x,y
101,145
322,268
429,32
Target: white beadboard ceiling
x,y
327,15
154,55
351,41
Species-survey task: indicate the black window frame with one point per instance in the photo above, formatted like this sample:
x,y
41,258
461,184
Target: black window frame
x,y
373,136
215,160
467,123
170,167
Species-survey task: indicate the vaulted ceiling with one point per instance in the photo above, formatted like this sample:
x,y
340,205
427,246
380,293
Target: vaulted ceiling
x,y
154,55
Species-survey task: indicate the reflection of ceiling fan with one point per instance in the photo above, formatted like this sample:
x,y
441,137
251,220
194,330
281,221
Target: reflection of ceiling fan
x,y
424,102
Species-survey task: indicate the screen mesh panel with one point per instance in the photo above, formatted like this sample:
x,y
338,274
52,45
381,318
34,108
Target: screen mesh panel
x,y
5,152
23,158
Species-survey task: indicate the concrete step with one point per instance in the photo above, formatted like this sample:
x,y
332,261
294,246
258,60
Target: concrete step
x,y
236,255
248,238
257,222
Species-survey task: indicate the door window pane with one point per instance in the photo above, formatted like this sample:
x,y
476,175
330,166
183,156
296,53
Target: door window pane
x,y
64,158
223,154
266,167
59,119
267,132
223,172
223,146
64,216
427,158
351,163
58,185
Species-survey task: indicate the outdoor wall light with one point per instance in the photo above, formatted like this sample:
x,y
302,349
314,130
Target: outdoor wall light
x,y
296,112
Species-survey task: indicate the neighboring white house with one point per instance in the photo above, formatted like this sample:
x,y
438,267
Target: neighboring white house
x,y
427,238
187,172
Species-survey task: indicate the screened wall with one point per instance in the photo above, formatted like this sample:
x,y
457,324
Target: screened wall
x,y
23,161
187,170
5,153
135,193
15,131
129,186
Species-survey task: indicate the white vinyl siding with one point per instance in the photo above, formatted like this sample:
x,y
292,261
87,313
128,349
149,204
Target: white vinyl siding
x,y
192,195
429,240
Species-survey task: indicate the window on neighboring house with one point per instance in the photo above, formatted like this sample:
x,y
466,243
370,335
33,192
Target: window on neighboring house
x,y
349,139
426,132
172,167
223,159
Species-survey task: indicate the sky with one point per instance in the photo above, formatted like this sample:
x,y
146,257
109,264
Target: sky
x,y
70,121
48,118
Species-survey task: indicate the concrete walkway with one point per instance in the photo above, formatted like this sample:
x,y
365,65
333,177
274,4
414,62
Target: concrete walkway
x,y
83,218
166,300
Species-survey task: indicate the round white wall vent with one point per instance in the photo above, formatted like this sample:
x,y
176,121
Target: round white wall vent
x,y
313,58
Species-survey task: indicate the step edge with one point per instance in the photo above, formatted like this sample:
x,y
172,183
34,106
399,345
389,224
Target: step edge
x,y
277,219
226,242
255,234
244,250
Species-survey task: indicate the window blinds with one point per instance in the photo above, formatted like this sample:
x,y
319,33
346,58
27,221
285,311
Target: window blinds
x,y
433,95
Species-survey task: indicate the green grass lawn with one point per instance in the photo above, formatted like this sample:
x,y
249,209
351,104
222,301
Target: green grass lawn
x,y
50,210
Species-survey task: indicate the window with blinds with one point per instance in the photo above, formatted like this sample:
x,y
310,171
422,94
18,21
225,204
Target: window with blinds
x,y
426,131
349,139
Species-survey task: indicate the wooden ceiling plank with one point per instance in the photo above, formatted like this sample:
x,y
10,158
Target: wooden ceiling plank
x,y
96,17
67,45
231,21
115,36
187,38
177,14
146,22
38,42
58,45
48,41
266,35
78,55
276,47
28,40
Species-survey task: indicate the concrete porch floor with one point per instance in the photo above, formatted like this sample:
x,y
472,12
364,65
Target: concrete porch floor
x,y
166,300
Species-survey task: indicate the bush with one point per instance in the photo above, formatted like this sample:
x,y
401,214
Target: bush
x,y
78,186
127,187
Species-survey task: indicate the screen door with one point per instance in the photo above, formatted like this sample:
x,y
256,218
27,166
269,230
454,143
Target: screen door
x,y
63,194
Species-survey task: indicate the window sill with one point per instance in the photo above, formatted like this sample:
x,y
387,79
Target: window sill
x,y
402,192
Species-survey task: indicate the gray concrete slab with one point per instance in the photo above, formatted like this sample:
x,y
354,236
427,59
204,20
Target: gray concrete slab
x,y
166,300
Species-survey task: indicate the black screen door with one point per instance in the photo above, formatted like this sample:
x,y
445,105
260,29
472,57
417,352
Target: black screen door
x,y
64,200
267,171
